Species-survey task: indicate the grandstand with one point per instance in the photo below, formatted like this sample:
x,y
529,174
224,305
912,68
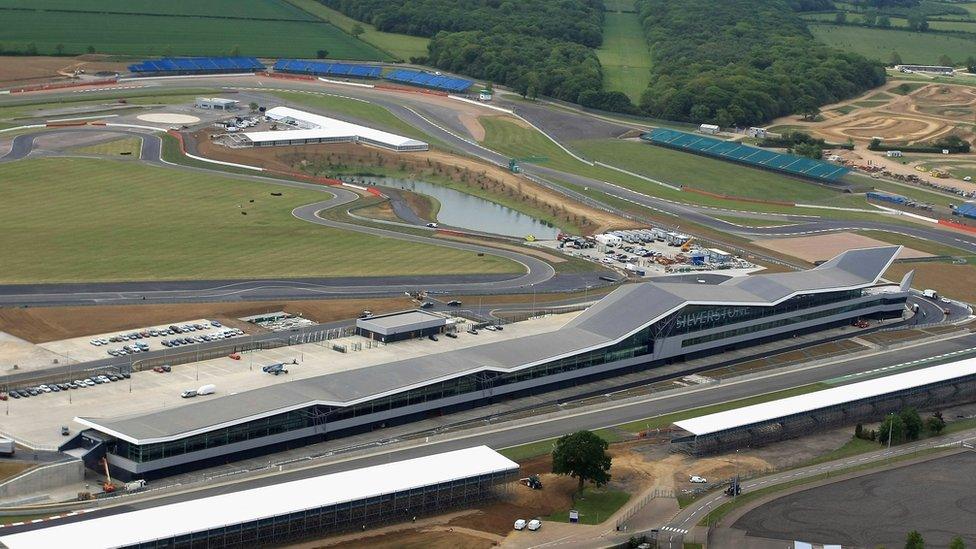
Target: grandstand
x,y
196,65
428,80
817,170
320,68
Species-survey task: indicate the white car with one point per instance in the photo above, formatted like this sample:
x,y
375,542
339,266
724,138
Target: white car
x,y
534,524
945,300
698,480
95,342
520,524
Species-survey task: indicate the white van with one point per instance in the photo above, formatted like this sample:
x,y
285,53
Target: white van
x,y
208,389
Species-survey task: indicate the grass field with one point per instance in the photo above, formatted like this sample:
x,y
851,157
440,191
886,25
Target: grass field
x,y
926,246
259,9
32,110
400,46
595,505
78,219
913,47
367,112
176,35
624,55
116,147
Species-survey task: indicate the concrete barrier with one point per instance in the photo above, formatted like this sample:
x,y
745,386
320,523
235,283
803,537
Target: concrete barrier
x,y
45,477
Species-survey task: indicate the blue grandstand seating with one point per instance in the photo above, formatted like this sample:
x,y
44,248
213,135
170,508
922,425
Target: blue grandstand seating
x,y
196,65
730,150
321,68
428,80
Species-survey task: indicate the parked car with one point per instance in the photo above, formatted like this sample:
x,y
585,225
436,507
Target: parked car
x,y
166,368
534,524
432,337
454,303
189,393
472,331
698,480
451,335
520,524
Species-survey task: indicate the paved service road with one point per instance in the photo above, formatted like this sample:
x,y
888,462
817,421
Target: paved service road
x,y
531,430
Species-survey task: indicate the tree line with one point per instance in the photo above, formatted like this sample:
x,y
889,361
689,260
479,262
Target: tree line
x,y
537,47
742,63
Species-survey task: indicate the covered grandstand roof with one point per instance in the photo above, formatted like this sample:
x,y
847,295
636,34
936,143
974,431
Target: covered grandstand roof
x,y
623,312
731,150
322,127
206,513
767,411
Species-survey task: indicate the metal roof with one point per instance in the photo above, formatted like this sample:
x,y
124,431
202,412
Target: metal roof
x,y
404,319
199,515
759,413
623,312
323,127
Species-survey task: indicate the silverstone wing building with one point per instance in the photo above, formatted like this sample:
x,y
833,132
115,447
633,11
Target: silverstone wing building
x,y
637,327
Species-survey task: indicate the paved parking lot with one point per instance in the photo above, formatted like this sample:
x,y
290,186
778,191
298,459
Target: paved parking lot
x,y
80,349
937,498
38,420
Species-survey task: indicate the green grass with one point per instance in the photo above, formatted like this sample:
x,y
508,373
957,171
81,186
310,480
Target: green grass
x,y
595,505
73,219
160,35
905,88
913,47
528,451
400,46
116,147
853,447
368,112
846,109
99,103
263,9
750,222
624,55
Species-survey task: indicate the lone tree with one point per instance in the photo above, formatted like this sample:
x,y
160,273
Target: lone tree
x,y
583,456
914,540
322,54
357,30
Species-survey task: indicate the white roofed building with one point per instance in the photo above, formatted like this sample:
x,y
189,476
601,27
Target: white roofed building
x,y
313,128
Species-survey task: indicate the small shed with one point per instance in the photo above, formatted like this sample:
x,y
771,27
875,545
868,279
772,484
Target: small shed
x,y
216,103
711,129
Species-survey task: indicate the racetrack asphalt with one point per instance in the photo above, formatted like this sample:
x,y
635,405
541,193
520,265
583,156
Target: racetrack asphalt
x,y
539,276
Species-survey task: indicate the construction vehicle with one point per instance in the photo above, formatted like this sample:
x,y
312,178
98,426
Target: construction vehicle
x,y
735,487
687,245
532,482
108,487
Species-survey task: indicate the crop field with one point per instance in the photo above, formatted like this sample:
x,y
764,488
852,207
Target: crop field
x,y
400,46
624,55
118,27
73,219
878,44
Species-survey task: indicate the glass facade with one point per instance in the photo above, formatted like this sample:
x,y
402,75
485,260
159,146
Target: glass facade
x,y
689,320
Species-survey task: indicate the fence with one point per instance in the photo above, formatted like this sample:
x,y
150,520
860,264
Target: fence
x,y
640,504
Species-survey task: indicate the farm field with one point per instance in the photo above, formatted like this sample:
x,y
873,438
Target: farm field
x,y
402,46
901,22
150,35
624,55
257,9
159,224
878,44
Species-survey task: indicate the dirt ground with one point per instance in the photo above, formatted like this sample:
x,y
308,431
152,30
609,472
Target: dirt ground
x,y
34,70
955,281
825,246
42,324
485,177
926,114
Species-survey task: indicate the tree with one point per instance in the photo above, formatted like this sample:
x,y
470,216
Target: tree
x,y
895,59
935,424
91,49
914,540
59,49
884,22
913,423
253,106
357,30
945,60
808,150
321,54
957,543
840,18
583,456
892,427
971,64
807,106
858,431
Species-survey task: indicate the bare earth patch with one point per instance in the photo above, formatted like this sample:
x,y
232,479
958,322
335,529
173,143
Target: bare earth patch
x,y
825,246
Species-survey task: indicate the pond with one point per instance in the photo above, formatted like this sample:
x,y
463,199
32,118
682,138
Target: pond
x,y
471,212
